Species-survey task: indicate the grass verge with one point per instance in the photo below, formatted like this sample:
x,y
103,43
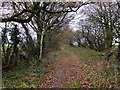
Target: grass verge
x,y
99,72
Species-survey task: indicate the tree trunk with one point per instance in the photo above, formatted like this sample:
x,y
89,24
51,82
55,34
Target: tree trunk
x,y
41,44
0,61
118,55
79,43
27,32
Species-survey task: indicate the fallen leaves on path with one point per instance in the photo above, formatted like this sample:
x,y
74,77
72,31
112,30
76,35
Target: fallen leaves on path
x,y
68,70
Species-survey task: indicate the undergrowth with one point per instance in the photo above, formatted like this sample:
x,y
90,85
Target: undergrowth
x,y
29,77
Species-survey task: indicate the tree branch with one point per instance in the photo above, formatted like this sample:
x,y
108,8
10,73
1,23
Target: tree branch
x,y
18,20
15,18
71,10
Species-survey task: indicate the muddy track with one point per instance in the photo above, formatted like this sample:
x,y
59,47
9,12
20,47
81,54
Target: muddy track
x,y
67,69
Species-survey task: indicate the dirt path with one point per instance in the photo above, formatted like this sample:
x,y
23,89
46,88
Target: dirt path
x,y
67,70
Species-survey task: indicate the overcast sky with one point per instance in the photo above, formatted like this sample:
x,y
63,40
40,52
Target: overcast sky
x,y
78,15
72,24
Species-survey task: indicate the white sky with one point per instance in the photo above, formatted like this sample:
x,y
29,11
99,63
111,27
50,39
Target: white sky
x,y
73,23
78,16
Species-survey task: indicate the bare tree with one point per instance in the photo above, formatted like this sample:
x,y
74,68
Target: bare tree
x,y
42,15
103,19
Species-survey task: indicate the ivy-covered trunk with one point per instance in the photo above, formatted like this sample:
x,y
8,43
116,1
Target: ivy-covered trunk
x,y
15,40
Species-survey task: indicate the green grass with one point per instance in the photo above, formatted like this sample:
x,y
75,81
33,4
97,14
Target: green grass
x,y
67,54
74,85
84,54
100,72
